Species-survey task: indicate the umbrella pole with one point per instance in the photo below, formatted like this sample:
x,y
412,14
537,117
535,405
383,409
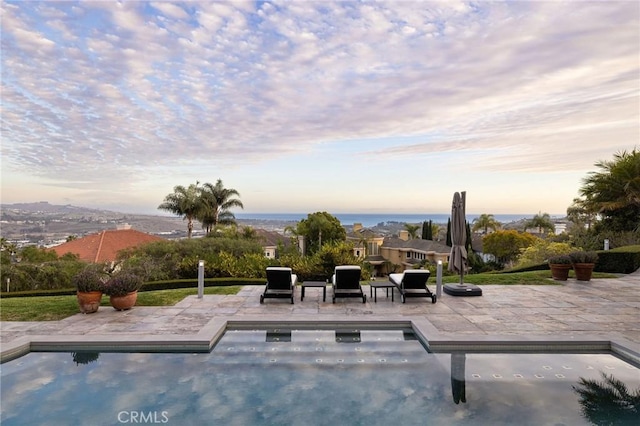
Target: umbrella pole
x,y
463,199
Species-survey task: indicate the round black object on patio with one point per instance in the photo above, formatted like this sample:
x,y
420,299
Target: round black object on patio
x,y
462,290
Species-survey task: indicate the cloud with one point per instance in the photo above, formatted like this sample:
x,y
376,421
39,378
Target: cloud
x,y
131,87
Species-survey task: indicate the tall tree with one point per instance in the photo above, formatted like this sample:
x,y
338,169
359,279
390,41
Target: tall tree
x,y
614,191
579,214
506,246
486,222
412,230
216,204
320,228
540,221
185,202
427,230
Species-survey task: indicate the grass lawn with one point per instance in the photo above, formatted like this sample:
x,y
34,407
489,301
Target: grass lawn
x,y
518,278
53,308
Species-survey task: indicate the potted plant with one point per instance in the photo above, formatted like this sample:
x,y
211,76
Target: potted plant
x,y
583,264
89,286
123,290
560,266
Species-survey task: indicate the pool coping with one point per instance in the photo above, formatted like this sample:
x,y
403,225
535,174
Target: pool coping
x,y
209,335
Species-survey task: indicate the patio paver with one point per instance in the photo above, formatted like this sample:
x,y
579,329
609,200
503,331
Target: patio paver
x,y
601,308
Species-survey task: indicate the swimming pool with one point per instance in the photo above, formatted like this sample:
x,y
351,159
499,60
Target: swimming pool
x,y
305,377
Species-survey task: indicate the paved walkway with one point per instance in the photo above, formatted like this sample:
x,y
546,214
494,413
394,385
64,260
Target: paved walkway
x,y
603,308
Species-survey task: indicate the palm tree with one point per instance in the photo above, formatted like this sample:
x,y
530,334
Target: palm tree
x,y
614,192
608,402
540,221
412,230
185,202
216,204
486,222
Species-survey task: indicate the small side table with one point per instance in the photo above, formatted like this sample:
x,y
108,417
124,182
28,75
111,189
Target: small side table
x,y
322,284
375,285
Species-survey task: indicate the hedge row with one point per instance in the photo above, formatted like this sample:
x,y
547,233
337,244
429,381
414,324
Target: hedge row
x,y
621,260
537,267
150,286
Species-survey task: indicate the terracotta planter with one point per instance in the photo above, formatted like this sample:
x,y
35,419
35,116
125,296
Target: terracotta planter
x,y
560,271
122,303
583,271
89,302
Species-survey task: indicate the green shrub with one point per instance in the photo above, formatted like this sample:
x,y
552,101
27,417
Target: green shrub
x,y
544,266
562,259
148,286
334,254
506,246
208,282
622,260
179,258
40,276
583,256
122,284
88,280
305,267
38,293
540,251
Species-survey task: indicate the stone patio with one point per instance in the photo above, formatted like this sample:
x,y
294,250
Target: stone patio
x,y
602,309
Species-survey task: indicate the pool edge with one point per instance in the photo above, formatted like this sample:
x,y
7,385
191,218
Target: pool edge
x,y
210,334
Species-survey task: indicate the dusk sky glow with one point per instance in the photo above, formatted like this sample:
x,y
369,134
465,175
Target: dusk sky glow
x,y
351,106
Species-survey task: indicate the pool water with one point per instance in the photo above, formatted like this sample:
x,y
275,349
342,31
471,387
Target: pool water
x,y
308,377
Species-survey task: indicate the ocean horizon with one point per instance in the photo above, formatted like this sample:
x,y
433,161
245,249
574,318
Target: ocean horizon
x,y
372,219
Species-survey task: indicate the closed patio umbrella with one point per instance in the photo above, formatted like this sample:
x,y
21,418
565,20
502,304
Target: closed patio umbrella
x,y
458,255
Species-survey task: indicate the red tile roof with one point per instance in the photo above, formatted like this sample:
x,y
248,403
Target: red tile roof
x,y
105,245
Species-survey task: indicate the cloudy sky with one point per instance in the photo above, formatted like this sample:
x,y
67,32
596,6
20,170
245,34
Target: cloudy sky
x,y
314,105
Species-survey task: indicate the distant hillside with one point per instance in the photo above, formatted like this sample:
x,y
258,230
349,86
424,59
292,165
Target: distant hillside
x,y
45,207
43,222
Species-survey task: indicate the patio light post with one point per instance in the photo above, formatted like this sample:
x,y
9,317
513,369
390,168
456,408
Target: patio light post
x,y
439,280
200,279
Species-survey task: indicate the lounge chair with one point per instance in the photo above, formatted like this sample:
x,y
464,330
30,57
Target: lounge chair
x,y
413,283
280,283
346,282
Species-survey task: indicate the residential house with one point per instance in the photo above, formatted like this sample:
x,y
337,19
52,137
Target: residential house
x,y
402,253
270,241
388,254
366,246
105,245
477,247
